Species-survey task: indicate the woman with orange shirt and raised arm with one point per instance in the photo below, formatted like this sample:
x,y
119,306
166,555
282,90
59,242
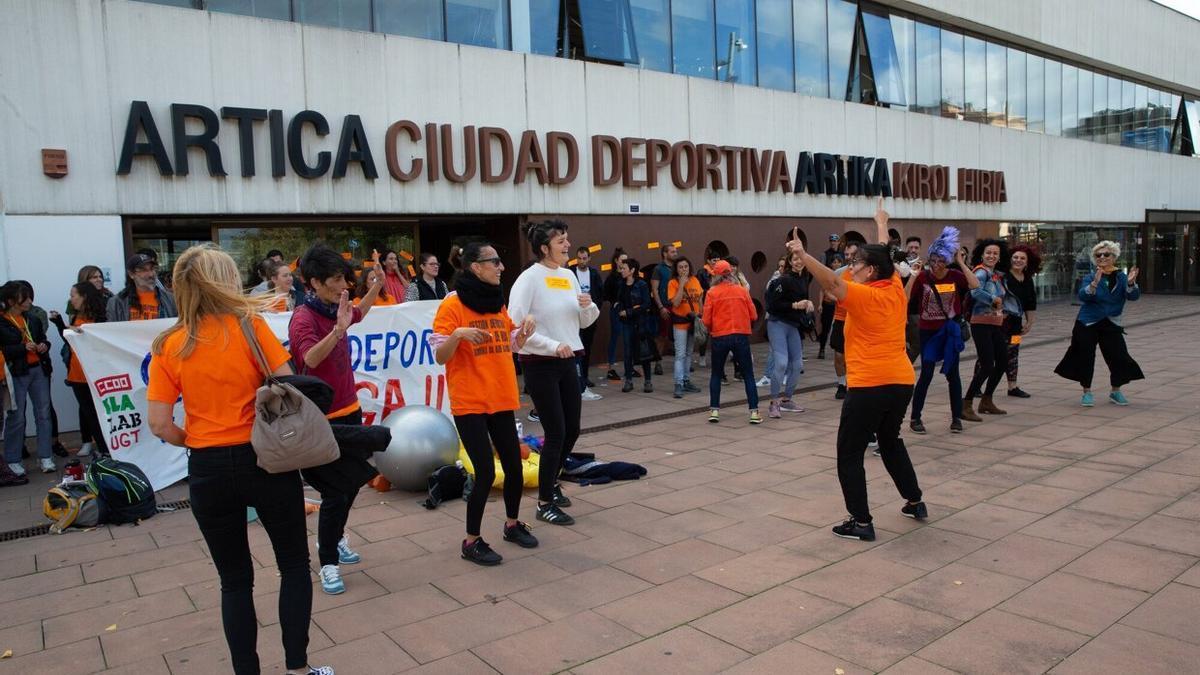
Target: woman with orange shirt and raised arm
x,y
475,338
206,359
879,378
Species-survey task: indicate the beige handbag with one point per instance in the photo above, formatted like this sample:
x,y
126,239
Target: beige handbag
x,y
290,432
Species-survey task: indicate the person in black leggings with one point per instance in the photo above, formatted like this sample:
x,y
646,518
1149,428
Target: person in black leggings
x,y
474,337
991,261
549,292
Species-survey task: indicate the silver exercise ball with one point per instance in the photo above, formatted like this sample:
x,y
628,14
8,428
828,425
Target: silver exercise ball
x,y
423,440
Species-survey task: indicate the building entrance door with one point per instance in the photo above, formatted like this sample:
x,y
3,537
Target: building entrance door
x,y
1171,257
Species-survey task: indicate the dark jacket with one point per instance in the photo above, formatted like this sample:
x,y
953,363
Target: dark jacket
x,y
12,343
597,284
782,291
612,287
118,305
634,300
356,443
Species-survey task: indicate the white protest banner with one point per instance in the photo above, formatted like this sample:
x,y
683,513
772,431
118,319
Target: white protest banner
x,y
389,351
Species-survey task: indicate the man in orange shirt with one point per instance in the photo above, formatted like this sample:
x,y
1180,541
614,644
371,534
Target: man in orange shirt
x,y
879,378
143,297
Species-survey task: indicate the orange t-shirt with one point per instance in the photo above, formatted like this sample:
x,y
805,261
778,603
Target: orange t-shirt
x,y
481,378
839,309
149,310
876,316
692,291
30,357
75,370
218,380
380,301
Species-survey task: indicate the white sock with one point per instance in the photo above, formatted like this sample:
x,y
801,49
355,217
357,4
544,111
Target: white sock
x,y
841,380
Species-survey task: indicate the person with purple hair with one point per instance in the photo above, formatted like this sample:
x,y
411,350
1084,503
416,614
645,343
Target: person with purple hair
x,y
936,297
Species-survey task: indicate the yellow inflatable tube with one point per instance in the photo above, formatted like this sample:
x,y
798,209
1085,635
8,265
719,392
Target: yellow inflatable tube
x,y
529,468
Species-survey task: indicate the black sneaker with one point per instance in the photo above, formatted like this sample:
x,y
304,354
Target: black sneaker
x,y
533,416
589,383
1017,392
917,511
840,393
956,427
852,529
549,513
480,553
821,353
689,388
60,450
658,369
916,426
648,387
560,500
627,387
613,376
519,535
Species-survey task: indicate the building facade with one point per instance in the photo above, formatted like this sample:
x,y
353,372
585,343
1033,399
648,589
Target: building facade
x,y
265,124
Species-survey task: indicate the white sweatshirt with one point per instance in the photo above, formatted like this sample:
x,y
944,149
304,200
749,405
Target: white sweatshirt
x,y
551,297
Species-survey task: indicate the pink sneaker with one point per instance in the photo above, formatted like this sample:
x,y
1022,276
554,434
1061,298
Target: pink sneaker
x,y
773,411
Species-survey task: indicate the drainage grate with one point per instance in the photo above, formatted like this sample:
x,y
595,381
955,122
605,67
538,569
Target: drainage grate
x,y
25,533
181,505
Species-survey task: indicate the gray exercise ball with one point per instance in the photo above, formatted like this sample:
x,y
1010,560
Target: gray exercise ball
x,y
423,440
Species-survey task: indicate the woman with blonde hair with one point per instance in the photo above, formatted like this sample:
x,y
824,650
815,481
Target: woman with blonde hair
x,y
1100,323
206,359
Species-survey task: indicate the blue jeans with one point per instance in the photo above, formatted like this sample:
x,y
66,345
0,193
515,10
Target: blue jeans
x,y
929,368
616,330
722,347
34,385
684,341
787,357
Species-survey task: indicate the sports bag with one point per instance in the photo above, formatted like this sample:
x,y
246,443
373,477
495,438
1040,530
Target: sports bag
x,y
124,492
71,505
444,484
290,432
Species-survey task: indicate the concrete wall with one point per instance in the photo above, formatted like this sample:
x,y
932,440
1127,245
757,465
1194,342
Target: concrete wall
x,y
71,68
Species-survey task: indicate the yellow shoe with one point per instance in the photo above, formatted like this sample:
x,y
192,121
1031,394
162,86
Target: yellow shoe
x,y
755,418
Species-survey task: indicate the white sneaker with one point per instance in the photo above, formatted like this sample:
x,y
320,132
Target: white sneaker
x,y
17,468
589,395
764,381
84,450
47,465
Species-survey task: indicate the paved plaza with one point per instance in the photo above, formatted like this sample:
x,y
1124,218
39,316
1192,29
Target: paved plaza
x,y
1060,539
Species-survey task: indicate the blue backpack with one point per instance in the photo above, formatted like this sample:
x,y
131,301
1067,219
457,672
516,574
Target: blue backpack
x,y
124,492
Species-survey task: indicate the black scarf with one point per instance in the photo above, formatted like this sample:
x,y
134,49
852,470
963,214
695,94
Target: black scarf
x,y
321,307
479,297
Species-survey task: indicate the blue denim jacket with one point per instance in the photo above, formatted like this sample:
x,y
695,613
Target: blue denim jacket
x,y
1105,303
991,286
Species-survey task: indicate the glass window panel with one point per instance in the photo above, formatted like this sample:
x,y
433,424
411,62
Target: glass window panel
x,y
1193,122
1086,91
736,54
692,28
1054,92
266,9
885,63
842,15
975,75
997,81
1070,101
1016,89
607,31
173,3
812,51
929,67
1113,124
353,14
652,33
1141,106
483,23
535,25
905,38
952,74
415,18
1127,113
1035,73
775,45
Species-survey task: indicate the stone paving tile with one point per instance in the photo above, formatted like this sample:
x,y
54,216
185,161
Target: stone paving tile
x,y
1079,527
668,605
67,557
556,646
1122,649
141,561
38,583
1173,613
1146,569
675,560
117,616
177,576
1076,603
1042,499
929,548
383,613
1115,501
372,655
682,650
84,656
462,663
771,618
857,580
578,592
794,657
213,656
70,599
999,642
1023,556
759,570
959,591
1187,507
23,639
879,633
1172,534
987,520
453,632
124,647
754,534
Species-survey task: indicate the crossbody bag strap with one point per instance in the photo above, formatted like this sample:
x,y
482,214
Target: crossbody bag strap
x,y
255,348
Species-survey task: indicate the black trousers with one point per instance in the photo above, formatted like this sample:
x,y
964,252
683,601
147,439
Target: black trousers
x,y
335,507
1079,363
587,336
222,482
991,347
89,424
553,384
479,433
878,411
826,322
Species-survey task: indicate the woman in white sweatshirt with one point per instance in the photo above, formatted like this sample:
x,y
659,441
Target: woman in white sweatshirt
x,y
549,292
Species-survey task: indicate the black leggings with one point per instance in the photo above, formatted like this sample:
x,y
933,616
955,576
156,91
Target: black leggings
x,y
553,384
89,423
335,507
991,346
222,482
475,430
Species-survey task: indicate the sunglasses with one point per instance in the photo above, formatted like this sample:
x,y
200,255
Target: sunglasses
x,y
494,261
1103,254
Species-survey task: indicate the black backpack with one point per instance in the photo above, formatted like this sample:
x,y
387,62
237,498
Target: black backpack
x,y
124,492
444,484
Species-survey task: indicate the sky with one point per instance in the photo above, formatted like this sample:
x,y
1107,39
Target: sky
x,y
1189,7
